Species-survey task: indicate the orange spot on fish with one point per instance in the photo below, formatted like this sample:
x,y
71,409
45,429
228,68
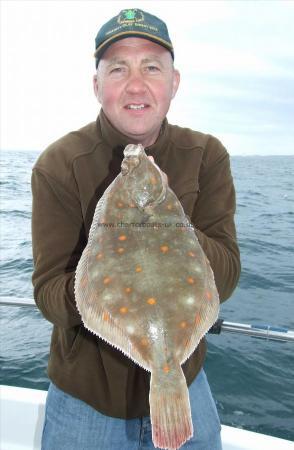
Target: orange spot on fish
x,y
106,280
153,180
122,237
151,301
84,281
99,256
132,205
192,254
197,319
187,343
138,269
120,250
123,310
164,248
190,280
128,290
120,205
144,342
208,295
166,368
183,324
169,206
106,316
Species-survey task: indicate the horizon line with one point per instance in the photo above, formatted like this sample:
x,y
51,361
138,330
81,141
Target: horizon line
x,y
231,154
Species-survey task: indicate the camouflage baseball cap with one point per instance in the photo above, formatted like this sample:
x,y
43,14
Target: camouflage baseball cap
x,y
132,23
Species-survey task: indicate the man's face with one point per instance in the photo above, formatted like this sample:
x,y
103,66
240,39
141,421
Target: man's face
x,y
135,84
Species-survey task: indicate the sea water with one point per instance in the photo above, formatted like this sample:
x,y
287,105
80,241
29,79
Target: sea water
x,y
252,380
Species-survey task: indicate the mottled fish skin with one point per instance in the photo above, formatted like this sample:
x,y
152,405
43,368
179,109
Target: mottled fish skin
x,y
145,286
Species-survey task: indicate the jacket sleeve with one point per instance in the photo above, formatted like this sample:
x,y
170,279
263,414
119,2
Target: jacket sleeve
x,y
58,240
213,217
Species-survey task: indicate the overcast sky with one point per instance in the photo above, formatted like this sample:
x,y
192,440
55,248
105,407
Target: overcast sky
x,y
236,60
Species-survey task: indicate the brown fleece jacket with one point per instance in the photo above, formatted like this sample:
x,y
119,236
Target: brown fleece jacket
x,y
67,181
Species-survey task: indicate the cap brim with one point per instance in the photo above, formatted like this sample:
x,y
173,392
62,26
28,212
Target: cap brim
x,y
157,40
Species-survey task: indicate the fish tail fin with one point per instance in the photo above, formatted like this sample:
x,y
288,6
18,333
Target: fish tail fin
x,y
170,410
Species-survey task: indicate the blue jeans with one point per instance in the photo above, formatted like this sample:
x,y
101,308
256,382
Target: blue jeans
x,y
71,424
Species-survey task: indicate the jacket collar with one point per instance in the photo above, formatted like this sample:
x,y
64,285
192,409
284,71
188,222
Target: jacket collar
x,y
114,139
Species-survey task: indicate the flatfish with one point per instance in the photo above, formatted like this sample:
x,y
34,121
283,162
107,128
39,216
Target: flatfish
x,y
144,285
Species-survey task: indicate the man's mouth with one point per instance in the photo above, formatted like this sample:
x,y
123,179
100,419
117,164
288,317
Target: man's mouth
x,y
137,107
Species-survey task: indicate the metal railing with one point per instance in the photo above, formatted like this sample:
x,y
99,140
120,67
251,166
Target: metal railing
x,y
16,301
254,330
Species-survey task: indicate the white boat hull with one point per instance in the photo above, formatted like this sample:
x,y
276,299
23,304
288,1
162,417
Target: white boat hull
x,y
23,411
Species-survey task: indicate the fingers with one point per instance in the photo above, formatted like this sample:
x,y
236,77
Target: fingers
x,y
164,174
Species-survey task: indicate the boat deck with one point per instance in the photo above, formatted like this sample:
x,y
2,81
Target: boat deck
x,y
25,408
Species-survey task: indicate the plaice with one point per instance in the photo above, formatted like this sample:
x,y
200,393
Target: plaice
x,y
144,285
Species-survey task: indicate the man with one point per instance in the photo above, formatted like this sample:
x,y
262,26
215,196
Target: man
x,y
98,398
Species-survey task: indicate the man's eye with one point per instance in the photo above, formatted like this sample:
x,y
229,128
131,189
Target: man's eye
x,y
116,70
152,68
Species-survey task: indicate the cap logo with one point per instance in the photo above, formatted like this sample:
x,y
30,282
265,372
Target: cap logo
x,y
132,23
129,16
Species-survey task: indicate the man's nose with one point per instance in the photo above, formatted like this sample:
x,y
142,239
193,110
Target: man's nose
x,y
136,83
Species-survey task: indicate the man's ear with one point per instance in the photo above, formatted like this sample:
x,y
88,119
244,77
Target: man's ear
x,y
176,82
95,86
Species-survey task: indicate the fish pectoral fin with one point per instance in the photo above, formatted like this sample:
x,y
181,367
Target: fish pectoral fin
x,y
170,410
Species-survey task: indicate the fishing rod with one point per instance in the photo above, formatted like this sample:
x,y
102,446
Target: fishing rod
x,y
262,331
258,330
